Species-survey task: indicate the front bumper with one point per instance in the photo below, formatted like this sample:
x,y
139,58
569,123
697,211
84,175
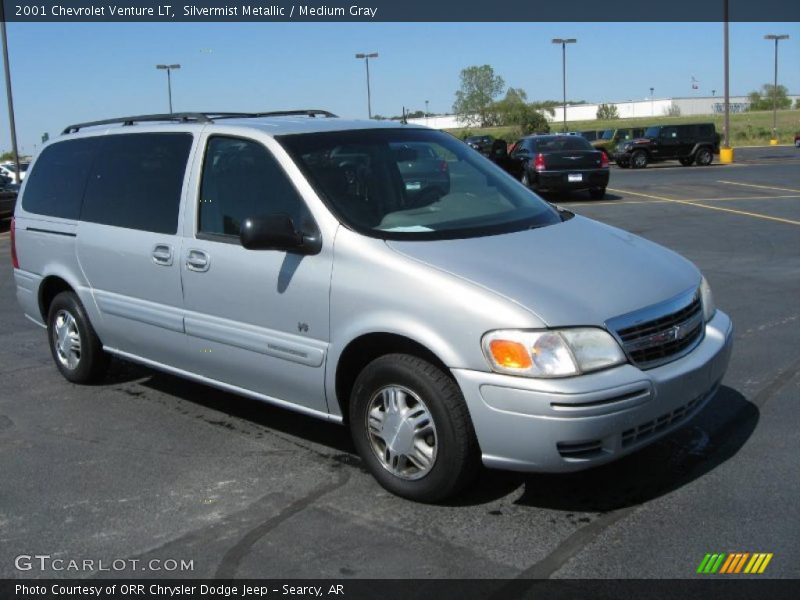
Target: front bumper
x,y
561,425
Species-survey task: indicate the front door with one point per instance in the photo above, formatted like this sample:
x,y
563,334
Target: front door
x,y
255,319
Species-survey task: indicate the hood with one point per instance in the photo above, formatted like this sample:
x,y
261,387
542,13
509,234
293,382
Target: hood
x,y
579,272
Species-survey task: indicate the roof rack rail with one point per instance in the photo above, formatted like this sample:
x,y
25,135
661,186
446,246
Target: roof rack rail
x,y
198,117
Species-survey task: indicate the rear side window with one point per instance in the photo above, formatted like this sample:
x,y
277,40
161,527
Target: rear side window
x,y
55,185
136,181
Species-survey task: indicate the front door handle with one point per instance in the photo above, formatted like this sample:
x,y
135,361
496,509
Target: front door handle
x,y
197,260
162,255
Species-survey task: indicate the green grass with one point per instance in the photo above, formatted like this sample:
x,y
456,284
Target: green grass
x,y
747,129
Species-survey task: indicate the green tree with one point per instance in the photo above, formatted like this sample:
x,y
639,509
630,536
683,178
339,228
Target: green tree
x,y
479,88
607,111
763,99
6,156
515,110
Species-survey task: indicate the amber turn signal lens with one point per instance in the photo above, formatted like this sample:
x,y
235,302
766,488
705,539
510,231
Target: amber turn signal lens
x,y
511,355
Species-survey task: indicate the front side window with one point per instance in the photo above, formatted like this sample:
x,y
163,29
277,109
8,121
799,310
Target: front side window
x,y
242,179
398,183
652,132
136,181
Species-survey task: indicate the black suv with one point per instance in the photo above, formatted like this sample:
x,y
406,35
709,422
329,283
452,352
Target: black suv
x,y
689,144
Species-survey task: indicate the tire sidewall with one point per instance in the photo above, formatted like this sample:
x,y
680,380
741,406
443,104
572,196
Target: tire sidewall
x,y
68,302
381,373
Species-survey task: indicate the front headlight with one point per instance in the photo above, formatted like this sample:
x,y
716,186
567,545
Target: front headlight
x,y
551,353
707,298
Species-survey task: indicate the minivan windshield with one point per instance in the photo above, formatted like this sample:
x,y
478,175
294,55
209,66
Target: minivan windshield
x,y
414,184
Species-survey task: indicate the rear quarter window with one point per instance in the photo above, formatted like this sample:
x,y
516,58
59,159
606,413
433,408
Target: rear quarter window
x,y
56,183
136,181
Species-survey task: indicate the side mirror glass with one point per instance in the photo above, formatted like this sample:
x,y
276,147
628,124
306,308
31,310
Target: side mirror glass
x,y
276,232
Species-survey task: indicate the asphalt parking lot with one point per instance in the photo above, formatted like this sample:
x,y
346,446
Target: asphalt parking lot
x,y
150,466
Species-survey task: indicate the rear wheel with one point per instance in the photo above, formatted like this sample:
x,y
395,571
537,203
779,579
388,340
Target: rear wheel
x,y
703,157
597,193
623,164
525,179
76,349
639,159
686,162
411,427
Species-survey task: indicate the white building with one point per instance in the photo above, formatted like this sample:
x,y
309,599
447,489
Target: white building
x,y
656,107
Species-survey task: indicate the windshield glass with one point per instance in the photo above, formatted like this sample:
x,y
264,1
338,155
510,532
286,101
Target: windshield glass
x,y
652,132
607,134
414,184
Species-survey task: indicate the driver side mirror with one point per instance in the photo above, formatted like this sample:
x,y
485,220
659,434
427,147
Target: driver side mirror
x,y
277,232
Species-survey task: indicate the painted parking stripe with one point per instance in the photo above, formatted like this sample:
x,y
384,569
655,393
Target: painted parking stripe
x,y
730,210
763,187
729,199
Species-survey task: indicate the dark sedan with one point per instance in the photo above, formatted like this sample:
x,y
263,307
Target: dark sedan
x,y
8,197
426,175
481,143
559,163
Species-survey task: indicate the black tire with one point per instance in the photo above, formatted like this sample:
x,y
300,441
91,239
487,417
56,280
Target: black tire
x,y
525,179
597,193
703,157
686,162
92,361
457,458
623,164
639,159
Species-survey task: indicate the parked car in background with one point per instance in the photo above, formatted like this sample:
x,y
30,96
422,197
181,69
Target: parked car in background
x,y
425,174
560,163
590,135
608,139
9,169
797,140
481,143
8,196
692,143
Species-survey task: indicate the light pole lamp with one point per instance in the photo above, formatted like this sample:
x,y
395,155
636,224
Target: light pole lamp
x,y
169,68
426,112
777,38
366,56
564,42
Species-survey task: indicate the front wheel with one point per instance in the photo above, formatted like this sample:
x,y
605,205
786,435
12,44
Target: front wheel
x,y
411,427
76,349
639,159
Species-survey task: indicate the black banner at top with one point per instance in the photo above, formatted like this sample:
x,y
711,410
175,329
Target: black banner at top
x,y
399,10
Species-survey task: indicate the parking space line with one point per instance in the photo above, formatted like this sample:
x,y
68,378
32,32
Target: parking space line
x,y
763,187
728,199
730,210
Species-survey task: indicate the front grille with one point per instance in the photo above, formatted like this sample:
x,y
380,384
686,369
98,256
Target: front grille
x,y
666,337
650,428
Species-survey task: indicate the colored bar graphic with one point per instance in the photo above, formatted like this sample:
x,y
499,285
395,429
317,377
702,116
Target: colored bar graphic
x,y
765,563
734,563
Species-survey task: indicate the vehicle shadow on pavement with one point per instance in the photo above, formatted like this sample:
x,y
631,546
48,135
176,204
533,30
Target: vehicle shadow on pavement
x,y
235,408
704,443
565,199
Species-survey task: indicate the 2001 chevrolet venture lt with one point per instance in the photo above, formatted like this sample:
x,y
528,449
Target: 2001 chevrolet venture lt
x,y
372,273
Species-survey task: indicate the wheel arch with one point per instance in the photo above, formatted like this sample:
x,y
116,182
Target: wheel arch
x,y
362,350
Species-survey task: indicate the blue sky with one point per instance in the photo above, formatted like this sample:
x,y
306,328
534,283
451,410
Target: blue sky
x,y
65,73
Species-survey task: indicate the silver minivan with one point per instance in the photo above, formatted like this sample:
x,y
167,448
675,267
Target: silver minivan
x,y
375,274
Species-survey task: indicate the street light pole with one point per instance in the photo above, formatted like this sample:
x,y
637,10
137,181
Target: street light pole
x,y
777,38
366,57
168,68
564,42
11,122
426,112
652,105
